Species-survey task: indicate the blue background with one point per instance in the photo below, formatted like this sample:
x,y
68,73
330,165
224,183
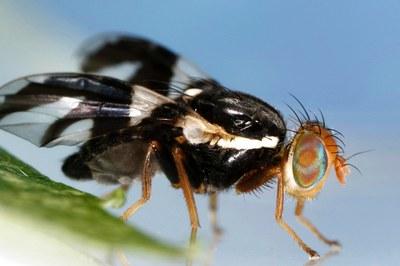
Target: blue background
x,y
342,57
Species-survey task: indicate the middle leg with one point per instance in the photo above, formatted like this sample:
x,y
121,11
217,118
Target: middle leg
x,y
213,202
187,192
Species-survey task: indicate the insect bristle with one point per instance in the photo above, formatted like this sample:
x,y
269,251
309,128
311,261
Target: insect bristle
x,y
357,153
335,131
291,130
351,157
322,118
300,122
306,115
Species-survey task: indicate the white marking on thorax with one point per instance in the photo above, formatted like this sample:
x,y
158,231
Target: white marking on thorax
x,y
196,130
240,143
193,91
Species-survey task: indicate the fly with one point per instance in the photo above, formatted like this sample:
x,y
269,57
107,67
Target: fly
x,y
165,114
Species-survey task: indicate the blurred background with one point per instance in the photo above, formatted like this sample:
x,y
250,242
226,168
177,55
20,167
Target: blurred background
x,y
342,57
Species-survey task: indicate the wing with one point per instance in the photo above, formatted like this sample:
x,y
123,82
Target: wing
x,y
140,61
68,109
96,111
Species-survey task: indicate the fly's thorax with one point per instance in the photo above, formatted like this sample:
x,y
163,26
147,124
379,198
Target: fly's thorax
x,y
231,120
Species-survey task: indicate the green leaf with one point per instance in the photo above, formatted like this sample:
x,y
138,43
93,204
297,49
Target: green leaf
x,y
64,212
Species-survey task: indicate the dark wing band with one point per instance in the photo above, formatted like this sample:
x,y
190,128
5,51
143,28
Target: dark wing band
x,y
68,109
139,61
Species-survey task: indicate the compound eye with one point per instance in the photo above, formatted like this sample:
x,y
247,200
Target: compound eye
x,y
310,160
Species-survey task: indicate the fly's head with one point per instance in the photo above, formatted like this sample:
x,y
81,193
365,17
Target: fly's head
x,y
308,158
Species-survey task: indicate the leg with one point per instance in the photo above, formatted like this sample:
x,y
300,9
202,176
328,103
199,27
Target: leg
x,y
146,183
304,221
189,199
217,231
187,190
213,214
278,216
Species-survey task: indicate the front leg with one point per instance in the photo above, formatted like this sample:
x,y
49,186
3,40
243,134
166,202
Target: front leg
x,y
304,221
279,218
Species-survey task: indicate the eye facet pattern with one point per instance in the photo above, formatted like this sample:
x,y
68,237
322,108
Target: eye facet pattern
x,y
310,160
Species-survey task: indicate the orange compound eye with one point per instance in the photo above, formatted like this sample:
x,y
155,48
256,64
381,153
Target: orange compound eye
x,y
310,160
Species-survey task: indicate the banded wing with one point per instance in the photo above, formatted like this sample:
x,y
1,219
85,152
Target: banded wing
x,y
137,61
140,61
68,109
102,112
